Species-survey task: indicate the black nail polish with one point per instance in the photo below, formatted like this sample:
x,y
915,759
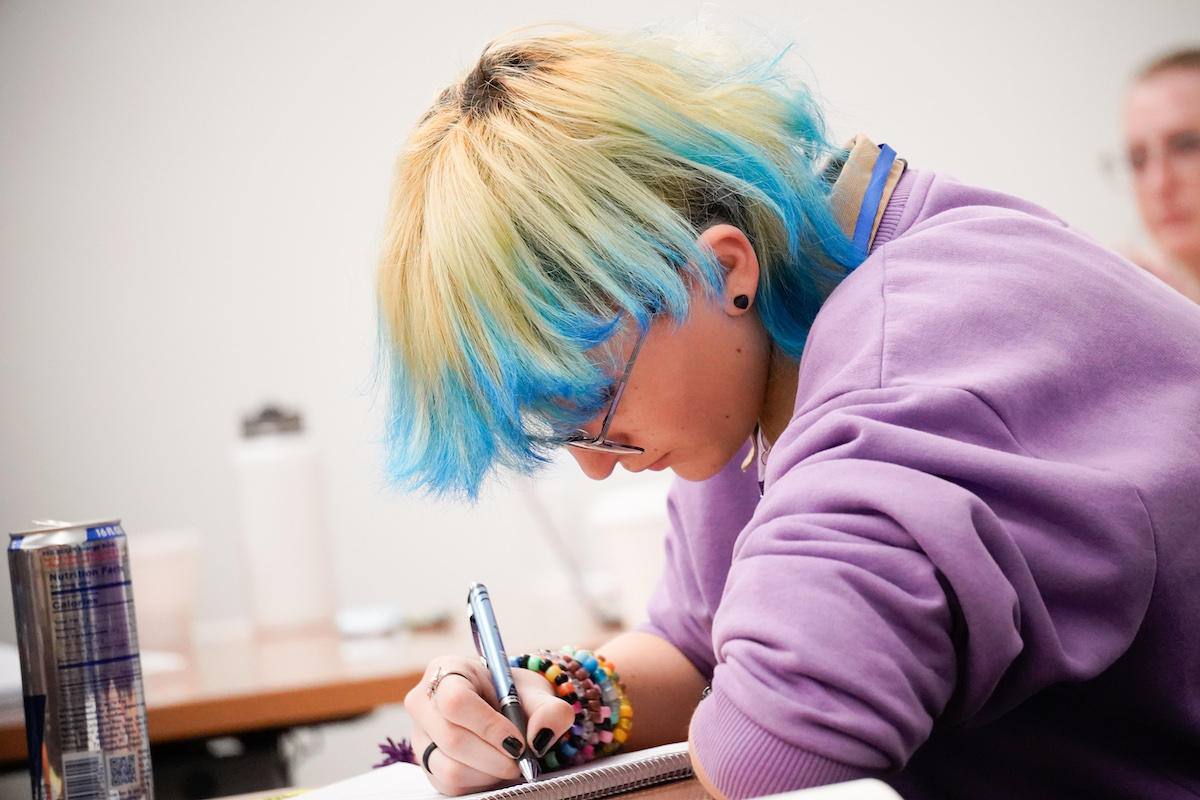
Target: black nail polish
x,y
513,745
541,740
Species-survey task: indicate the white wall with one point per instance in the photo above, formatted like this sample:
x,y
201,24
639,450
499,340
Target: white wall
x,y
191,196
190,203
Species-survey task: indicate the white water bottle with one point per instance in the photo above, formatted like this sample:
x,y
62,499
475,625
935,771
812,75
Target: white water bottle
x,y
285,529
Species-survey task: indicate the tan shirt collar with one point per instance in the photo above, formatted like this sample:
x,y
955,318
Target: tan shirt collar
x,y
846,197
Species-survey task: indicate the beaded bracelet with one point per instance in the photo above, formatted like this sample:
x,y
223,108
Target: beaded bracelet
x,y
603,715
578,744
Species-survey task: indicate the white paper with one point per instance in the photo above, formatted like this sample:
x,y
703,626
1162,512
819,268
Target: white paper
x,y
408,781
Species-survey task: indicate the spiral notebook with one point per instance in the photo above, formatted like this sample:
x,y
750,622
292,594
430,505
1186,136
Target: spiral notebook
x,y
603,778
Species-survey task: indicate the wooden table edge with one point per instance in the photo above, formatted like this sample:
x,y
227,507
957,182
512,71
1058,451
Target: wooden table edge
x,y
233,714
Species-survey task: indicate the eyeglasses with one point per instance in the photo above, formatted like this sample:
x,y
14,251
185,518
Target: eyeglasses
x,y
1179,152
600,442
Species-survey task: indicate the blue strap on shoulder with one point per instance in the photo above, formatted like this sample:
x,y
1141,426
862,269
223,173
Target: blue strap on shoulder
x,y
871,200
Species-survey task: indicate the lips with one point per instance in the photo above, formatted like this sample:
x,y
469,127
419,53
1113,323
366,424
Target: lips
x,y
1175,212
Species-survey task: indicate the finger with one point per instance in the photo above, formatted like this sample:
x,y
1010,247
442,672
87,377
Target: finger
x,y
467,760
450,776
420,699
471,721
549,715
472,669
463,723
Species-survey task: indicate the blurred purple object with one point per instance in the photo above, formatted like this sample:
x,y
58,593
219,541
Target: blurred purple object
x,y
395,753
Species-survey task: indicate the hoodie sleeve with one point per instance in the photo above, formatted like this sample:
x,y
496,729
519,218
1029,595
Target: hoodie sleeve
x,y
909,563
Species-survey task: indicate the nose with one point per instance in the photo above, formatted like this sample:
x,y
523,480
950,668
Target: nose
x,y
1159,175
596,466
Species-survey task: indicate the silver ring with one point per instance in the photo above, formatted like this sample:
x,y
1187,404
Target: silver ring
x,y
425,758
432,685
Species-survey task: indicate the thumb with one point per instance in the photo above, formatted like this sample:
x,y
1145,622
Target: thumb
x,y
549,715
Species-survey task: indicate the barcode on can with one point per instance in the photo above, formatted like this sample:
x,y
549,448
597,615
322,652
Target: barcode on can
x,y
122,769
83,776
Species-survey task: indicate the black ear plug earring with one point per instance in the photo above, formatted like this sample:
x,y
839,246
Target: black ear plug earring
x,y
742,302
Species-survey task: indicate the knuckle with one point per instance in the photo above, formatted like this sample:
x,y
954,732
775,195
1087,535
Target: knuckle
x,y
461,777
554,707
455,702
452,772
453,741
497,730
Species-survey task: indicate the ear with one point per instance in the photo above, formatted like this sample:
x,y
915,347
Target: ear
x,y
735,253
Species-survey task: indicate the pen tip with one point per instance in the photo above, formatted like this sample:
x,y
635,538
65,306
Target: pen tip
x,y
529,769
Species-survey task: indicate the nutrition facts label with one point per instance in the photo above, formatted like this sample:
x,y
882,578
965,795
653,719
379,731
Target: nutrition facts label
x,y
91,602
99,671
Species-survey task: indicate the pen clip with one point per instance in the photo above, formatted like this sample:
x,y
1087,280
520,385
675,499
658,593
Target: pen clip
x,y
478,642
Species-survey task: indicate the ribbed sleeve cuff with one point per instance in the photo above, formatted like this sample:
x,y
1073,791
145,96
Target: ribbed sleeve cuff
x,y
744,760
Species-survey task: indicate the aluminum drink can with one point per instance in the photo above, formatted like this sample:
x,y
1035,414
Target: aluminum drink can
x,y
85,711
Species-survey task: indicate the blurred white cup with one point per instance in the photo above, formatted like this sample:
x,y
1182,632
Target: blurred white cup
x,y
631,520
165,569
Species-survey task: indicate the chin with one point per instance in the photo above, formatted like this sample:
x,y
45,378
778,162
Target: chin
x,y
691,471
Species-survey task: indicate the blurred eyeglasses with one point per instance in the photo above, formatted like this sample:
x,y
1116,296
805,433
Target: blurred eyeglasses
x,y
1180,152
600,443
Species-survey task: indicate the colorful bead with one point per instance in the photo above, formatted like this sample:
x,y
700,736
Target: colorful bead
x,y
603,716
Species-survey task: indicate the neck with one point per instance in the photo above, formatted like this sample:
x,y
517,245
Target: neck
x,y
780,399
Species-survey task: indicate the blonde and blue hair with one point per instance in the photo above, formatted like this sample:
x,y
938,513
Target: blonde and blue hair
x,y
555,192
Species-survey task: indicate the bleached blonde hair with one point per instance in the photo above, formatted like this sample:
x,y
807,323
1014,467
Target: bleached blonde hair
x,y
559,188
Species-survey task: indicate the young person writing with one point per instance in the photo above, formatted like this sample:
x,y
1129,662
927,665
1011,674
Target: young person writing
x,y
937,451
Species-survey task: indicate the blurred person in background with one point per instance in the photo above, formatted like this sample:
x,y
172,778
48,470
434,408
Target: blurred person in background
x,y
1162,154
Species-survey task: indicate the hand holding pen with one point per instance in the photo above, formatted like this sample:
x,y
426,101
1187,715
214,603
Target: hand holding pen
x,y
464,743
491,649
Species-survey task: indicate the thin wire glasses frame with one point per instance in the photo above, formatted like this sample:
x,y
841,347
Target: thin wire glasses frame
x,y
600,443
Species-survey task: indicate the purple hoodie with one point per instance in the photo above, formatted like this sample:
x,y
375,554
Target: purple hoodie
x,y
975,568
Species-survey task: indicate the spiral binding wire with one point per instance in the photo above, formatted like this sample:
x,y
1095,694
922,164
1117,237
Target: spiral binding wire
x,y
604,781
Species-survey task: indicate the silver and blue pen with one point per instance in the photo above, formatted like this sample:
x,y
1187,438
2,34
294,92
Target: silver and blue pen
x,y
491,648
